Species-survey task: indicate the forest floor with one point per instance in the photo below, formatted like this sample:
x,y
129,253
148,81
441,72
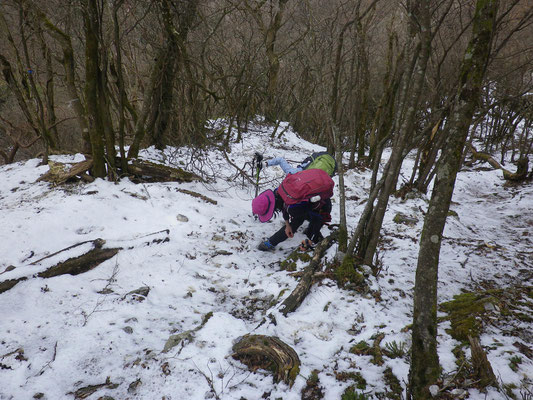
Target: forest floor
x,y
188,270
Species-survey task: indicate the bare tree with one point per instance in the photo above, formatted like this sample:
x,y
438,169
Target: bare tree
x,y
424,369
417,50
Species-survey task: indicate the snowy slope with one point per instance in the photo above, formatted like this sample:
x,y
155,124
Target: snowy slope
x,y
60,334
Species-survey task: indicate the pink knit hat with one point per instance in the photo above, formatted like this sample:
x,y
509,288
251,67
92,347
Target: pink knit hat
x,y
263,205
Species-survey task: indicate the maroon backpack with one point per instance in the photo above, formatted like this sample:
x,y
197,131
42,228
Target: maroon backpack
x,y
306,184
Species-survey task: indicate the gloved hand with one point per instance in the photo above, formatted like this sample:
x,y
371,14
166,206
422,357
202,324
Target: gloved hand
x,y
306,245
264,164
258,158
326,217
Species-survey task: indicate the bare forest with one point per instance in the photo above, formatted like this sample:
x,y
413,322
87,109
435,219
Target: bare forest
x,y
443,79
92,76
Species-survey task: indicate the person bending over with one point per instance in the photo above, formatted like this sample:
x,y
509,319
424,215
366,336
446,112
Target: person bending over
x,y
317,213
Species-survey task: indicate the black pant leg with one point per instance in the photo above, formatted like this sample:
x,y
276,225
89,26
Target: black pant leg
x,y
316,222
281,236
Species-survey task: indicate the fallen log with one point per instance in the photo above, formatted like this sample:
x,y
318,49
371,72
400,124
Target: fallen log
x,y
293,301
6,285
269,353
96,243
58,174
153,172
80,264
198,195
72,266
521,170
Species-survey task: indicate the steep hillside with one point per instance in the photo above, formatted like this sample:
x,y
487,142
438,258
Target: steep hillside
x,y
187,269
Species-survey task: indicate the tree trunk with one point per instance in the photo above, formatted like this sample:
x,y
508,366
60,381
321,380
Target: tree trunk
x,y
50,90
158,99
411,93
424,369
68,62
93,87
336,138
343,225
273,62
167,79
120,85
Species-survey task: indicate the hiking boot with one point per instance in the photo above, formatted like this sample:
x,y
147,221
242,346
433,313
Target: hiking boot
x,y
265,246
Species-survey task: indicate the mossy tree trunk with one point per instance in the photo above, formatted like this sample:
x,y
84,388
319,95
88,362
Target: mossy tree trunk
x,y
168,73
424,369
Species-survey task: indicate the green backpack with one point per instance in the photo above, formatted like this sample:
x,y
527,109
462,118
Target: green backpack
x,y
323,161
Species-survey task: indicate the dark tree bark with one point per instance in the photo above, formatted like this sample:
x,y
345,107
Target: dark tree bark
x,y
424,369
69,65
81,264
93,87
122,98
158,98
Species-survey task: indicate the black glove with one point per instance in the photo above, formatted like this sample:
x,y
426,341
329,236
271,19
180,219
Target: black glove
x,y
258,160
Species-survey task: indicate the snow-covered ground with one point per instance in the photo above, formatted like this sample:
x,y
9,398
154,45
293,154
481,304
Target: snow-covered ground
x,y
61,334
